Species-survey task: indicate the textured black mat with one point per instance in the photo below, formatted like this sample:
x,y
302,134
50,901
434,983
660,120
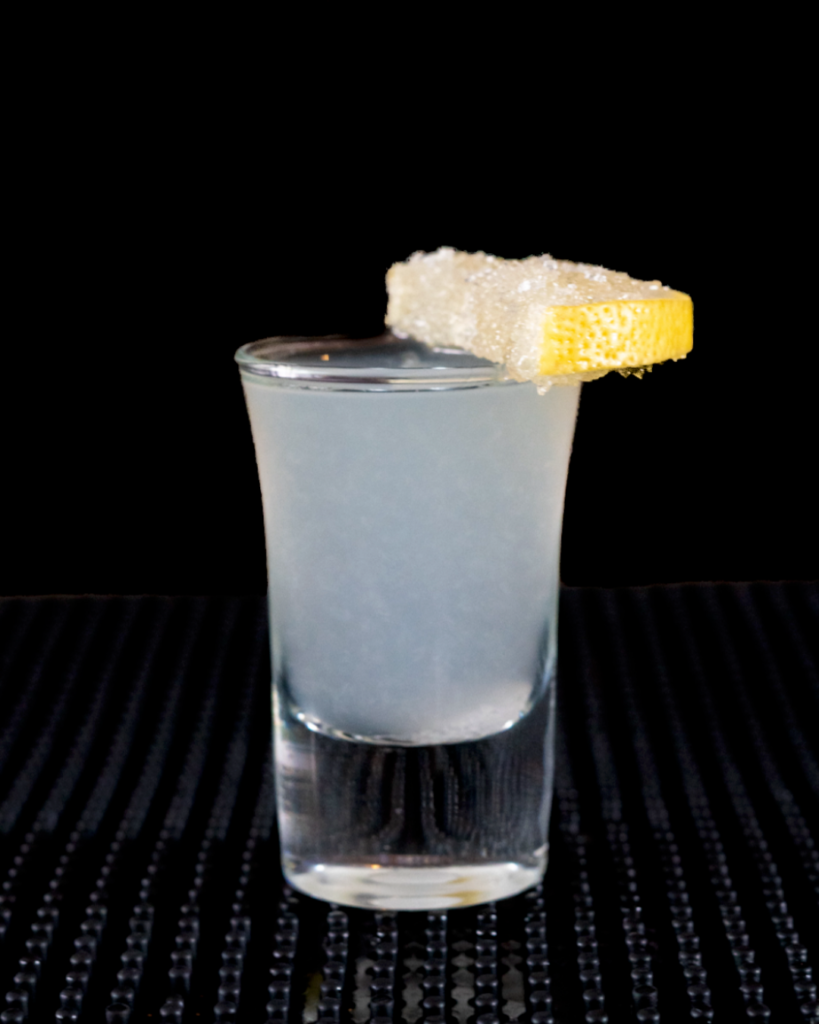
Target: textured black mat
x,y
138,849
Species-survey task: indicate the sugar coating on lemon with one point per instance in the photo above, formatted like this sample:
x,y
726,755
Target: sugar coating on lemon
x,y
547,320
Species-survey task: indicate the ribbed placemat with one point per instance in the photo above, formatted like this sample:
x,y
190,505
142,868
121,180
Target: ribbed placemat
x,y
138,851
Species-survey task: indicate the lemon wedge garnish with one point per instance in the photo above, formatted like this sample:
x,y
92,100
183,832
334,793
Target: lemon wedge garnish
x,y
547,320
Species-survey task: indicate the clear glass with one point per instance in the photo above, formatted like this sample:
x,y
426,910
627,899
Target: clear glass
x,y
413,502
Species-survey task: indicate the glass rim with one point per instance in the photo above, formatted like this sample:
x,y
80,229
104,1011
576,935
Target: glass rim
x,y
270,360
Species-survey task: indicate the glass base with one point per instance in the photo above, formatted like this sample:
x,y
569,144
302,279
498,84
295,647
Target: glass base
x,y
385,887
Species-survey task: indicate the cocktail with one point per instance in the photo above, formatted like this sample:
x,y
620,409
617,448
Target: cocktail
x,y
413,498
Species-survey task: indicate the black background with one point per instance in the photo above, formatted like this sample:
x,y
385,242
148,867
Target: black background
x,y
153,231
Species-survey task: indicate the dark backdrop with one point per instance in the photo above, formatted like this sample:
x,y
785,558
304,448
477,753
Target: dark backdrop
x,y
146,249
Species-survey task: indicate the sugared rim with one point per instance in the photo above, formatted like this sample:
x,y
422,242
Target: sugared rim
x,y
379,363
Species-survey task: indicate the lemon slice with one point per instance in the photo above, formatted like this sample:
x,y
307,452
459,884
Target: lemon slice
x,y
551,321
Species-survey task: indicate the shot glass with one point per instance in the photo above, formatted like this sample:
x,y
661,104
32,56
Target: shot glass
x,y
413,503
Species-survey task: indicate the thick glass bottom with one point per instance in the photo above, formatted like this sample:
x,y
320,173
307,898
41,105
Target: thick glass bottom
x,y
389,887
415,827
